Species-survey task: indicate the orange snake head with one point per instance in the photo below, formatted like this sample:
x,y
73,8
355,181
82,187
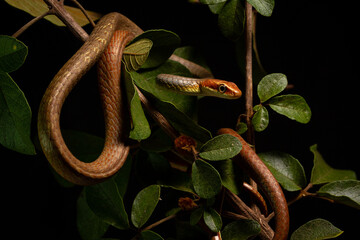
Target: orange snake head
x,y
220,88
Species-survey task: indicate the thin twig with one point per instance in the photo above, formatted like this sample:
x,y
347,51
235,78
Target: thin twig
x,y
303,193
30,23
159,222
157,116
67,19
241,208
84,12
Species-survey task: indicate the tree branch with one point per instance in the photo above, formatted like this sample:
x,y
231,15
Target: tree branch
x,y
248,77
58,8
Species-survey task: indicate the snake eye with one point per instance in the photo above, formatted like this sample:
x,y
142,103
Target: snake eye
x,y
222,88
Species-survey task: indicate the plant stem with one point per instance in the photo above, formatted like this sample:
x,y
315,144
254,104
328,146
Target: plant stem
x,y
67,19
33,21
159,222
84,12
241,208
248,75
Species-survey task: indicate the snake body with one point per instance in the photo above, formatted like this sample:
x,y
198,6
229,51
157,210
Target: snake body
x,y
105,45
250,161
115,150
200,86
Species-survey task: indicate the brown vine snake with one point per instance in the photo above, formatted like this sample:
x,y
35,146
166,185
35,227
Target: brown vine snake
x,y
105,45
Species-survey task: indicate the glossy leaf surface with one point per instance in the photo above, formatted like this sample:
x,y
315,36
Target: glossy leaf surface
x,y
264,7
323,173
292,106
220,148
240,230
106,202
144,205
212,219
260,119
212,1
345,191
271,85
316,229
206,180
286,169
231,19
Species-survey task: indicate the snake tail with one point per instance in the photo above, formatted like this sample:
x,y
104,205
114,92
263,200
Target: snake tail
x,y
257,170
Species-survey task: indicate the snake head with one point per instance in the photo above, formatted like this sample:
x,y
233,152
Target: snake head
x,y
220,88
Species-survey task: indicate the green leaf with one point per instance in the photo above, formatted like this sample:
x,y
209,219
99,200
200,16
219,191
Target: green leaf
x,y
241,127
144,205
240,230
292,106
216,8
89,225
177,180
38,7
206,180
212,1
182,122
196,215
12,53
345,191
121,178
316,229
140,126
212,219
147,81
231,20
106,202
287,170
264,7
221,147
323,173
271,85
260,119
136,54
164,44
231,176
15,117
150,235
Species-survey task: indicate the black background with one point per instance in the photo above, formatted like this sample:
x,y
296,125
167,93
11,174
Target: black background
x,y
314,43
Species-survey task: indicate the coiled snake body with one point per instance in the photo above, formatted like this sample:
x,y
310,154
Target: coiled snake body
x,y
105,46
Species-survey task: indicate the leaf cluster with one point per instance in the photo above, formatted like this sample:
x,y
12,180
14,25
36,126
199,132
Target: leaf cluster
x,y
15,112
150,184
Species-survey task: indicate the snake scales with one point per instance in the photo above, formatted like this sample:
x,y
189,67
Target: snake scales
x,y
105,46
